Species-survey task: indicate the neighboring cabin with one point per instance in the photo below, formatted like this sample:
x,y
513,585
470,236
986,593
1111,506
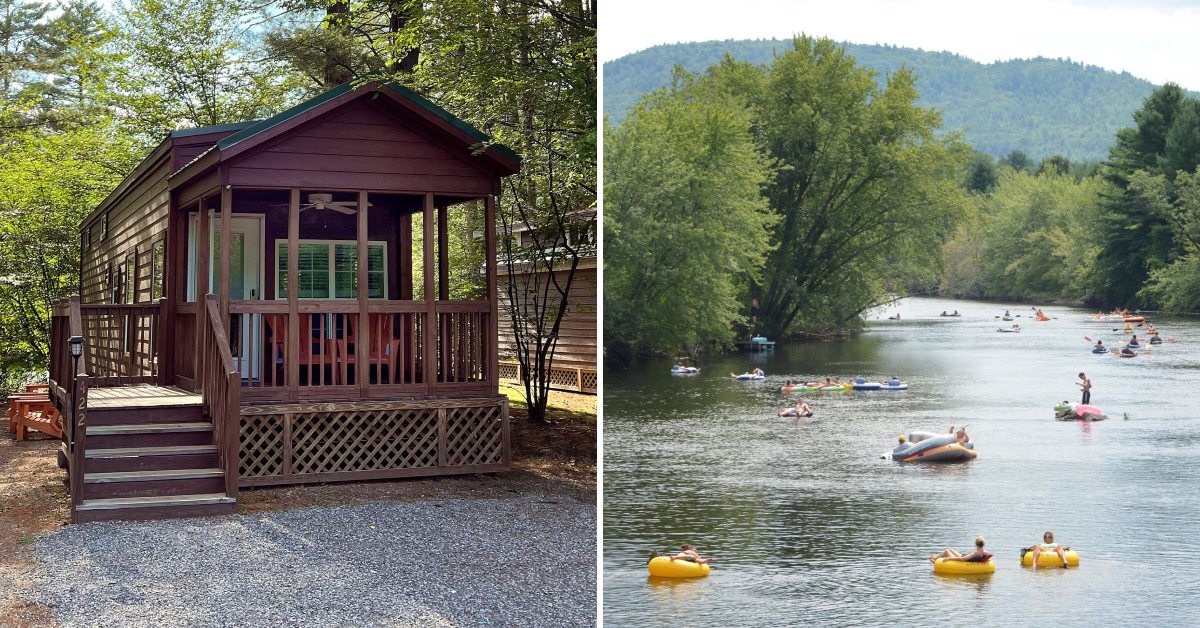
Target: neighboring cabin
x,y
575,359
216,362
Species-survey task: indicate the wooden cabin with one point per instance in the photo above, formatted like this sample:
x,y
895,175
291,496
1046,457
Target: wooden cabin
x,y
575,358
226,340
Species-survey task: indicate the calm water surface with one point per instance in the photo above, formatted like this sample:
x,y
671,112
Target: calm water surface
x,y
809,525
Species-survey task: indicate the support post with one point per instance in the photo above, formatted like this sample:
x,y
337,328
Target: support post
x,y
226,238
430,349
203,239
292,361
362,370
493,339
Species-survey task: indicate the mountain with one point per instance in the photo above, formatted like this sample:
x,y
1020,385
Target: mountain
x,y
1040,106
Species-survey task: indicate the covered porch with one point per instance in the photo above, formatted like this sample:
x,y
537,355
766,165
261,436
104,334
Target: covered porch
x,y
299,327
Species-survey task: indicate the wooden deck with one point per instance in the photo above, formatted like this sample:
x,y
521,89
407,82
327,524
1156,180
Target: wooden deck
x,y
140,397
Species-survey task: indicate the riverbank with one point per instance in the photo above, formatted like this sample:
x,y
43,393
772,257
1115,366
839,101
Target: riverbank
x,y
553,461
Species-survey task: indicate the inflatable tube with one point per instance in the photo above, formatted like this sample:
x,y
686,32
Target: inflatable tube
x,y
664,567
792,412
867,386
964,567
685,370
1099,350
800,388
1128,355
1008,331
836,388
901,386
1050,559
925,447
1062,407
1081,410
749,376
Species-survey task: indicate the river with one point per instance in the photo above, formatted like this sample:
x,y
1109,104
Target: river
x,y
808,524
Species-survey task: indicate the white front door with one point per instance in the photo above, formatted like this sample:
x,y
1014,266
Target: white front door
x,y
245,277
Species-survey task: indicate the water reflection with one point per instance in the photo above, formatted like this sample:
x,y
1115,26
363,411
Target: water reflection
x,y
809,525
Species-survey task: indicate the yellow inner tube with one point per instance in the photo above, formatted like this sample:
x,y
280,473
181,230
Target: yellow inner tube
x,y
1050,559
664,567
942,565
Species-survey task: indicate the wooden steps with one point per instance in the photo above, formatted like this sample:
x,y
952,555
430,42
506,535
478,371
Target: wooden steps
x,y
151,462
160,507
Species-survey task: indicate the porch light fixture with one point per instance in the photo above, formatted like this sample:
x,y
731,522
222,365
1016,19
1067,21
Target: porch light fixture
x,y
76,343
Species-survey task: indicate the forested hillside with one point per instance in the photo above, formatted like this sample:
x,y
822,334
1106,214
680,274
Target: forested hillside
x,y
1040,106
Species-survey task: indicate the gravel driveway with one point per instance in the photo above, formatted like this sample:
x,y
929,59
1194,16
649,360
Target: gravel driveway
x,y
527,561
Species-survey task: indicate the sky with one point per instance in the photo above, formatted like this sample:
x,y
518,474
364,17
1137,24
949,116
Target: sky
x,y
1158,40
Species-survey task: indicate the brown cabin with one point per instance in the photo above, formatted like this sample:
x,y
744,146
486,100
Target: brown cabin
x,y
251,356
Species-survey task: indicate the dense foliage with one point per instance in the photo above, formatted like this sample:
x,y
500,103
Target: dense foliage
x,y
686,226
862,196
1040,106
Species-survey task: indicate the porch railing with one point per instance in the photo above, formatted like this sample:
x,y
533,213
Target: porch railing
x,y
321,353
220,385
122,342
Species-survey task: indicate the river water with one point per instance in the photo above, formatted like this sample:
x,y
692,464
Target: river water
x,y
808,524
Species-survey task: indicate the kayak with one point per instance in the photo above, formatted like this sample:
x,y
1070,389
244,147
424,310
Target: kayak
x,y
965,567
1135,319
664,567
1050,559
1006,318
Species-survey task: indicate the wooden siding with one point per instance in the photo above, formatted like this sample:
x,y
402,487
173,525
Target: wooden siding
x,y
362,146
136,221
577,335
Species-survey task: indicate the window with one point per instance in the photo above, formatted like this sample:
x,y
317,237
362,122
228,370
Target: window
x,y
329,269
87,238
103,227
130,292
156,271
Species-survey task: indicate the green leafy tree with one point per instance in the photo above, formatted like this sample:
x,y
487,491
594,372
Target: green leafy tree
x,y
1138,239
864,183
686,226
195,64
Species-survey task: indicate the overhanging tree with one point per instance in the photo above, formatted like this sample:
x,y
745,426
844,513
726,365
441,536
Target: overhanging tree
x,y
866,190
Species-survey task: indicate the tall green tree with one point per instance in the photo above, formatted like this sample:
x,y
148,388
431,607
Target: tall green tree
x,y
195,63
864,183
1138,239
525,73
686,227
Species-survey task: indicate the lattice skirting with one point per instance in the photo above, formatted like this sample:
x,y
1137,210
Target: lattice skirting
x,y
329,442
569,378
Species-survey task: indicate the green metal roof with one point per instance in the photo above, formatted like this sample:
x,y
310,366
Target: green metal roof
x,y
216,128
263,125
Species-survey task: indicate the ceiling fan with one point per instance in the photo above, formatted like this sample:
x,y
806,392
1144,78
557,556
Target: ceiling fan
x,y
325,201
320,200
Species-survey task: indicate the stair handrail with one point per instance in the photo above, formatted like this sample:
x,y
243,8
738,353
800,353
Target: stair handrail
x,y
220,386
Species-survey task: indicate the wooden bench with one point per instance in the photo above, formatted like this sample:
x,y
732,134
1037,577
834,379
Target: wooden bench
x,y
33,410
